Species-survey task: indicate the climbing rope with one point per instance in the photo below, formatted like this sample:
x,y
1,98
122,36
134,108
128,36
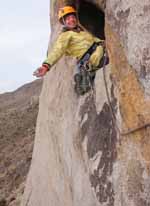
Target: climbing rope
x,y
123,133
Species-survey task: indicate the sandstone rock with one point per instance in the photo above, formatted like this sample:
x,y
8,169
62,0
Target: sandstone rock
x,y
80,157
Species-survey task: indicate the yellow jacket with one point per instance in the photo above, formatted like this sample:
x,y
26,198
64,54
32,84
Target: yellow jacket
x,y
74,44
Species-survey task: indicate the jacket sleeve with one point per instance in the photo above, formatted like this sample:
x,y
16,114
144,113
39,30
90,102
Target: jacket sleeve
x,y
59,48
97,54
96,39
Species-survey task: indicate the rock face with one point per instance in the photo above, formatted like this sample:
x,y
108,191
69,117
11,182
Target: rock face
x,y
80,156
18,113
127,36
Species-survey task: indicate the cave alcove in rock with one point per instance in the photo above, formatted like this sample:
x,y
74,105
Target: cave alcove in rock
x,y
92,18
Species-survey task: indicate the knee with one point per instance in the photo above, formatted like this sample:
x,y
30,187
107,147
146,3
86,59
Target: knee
x,y
103,61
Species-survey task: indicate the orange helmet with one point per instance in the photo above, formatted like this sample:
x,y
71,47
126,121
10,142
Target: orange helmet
x,y
64,11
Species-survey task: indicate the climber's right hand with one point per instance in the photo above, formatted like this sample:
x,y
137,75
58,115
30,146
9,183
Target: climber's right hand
x,y
41,71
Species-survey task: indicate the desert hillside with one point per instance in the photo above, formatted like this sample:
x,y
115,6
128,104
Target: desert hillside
x,y
18,113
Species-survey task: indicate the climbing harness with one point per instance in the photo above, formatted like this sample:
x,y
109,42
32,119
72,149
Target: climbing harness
x,y
121,133
86,56
84,78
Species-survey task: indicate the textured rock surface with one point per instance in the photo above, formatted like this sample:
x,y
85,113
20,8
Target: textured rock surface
x,y
130,20
79,157
77,145
127,40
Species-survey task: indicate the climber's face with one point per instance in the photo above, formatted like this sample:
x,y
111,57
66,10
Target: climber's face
x,y
71,21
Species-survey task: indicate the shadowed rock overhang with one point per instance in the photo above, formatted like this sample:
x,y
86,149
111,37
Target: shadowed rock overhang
x,y
92,18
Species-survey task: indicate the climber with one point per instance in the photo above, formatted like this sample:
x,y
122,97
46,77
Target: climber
x,y
76,42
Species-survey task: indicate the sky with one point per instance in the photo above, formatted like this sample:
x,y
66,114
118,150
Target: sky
x,y
24,37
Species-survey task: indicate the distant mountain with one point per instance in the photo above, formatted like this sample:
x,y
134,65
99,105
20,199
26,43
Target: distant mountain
x,y
18,113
